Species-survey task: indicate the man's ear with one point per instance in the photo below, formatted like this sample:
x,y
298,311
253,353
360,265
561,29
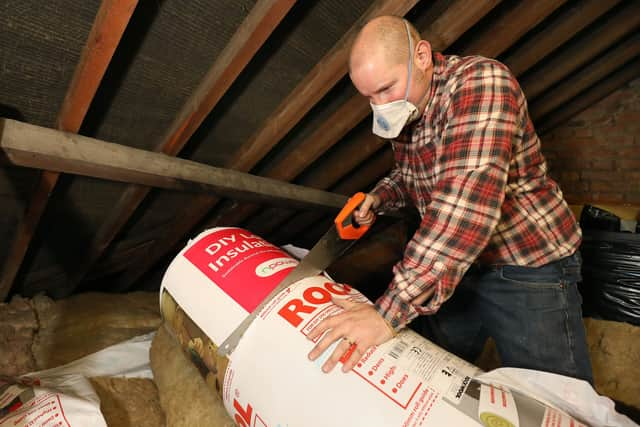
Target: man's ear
x,y
423,57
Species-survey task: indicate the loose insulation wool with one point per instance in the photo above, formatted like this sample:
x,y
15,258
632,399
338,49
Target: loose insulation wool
x,y
224,273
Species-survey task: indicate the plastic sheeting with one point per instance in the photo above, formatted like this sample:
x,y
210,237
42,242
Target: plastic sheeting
x,y
611,275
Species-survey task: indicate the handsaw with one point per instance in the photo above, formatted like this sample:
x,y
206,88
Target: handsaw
x,y
341,236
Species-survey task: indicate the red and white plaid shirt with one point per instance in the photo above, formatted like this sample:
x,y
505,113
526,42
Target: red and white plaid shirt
x,y
472,166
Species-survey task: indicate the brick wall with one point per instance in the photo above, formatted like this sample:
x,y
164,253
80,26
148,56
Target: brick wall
x,y
595,157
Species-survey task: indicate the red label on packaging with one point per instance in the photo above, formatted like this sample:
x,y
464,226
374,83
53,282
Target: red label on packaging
x,y
243,265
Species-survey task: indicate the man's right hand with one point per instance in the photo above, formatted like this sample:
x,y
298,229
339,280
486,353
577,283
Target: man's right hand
x,y
365,213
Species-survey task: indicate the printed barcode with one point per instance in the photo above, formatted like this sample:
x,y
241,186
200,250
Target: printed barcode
x,y
398,349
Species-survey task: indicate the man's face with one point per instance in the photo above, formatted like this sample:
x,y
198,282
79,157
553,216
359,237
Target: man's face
x,y
378,80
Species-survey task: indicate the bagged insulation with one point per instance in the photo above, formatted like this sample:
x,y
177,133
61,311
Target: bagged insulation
x,y
224,273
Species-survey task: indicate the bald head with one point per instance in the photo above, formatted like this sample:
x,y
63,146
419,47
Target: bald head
x,y
379,62
385,38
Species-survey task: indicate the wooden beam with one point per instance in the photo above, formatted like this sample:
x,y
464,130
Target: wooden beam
x,y
107,30
556,32
22,144
109,25
329,70
586,77
243,45
589,97
579,52
459,17
509,27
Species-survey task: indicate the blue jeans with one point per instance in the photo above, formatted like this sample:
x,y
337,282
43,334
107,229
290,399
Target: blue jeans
x,y
533,313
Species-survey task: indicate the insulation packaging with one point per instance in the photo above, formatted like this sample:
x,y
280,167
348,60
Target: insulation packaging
x,y
224,273
64,396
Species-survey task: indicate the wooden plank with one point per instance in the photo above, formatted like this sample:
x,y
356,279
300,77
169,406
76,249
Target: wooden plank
x,y
343,160
589,97
579,52
109,25
243,45
509,27
586,77
329,70
22,144
560,29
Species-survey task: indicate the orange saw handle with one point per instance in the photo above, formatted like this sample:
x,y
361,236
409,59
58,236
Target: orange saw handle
x,y
347,228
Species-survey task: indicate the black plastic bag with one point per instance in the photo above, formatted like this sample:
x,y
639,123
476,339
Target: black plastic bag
x,y
611,275
593,218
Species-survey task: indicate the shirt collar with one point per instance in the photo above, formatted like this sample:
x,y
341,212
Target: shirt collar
x,y
439,64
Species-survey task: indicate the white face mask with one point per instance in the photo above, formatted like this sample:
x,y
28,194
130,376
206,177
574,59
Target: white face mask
x,y
389,119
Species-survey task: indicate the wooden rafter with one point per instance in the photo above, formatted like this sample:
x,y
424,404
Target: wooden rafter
x,y
592,95
109,25
582,50
243,45
587,76
329,70
514,23
558,31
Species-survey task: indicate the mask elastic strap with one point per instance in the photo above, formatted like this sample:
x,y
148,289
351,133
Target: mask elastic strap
x,y
406,95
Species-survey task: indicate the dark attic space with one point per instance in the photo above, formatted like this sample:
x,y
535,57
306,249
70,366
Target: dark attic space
x,y
320,213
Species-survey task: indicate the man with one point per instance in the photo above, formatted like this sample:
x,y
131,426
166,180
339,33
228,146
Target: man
x,y
495,228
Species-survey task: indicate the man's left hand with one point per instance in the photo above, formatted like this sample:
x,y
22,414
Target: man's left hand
x,y
359,327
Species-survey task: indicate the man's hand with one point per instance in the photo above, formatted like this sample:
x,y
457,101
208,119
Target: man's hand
x,y
365,214
359,327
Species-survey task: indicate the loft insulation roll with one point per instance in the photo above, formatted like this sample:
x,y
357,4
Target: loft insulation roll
x,y
224,273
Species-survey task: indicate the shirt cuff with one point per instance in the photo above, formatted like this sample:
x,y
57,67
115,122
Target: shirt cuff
x,y
396,305
395,311
390,194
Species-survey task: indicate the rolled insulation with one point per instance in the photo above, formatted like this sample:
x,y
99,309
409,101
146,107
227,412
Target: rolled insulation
x,y
224,273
